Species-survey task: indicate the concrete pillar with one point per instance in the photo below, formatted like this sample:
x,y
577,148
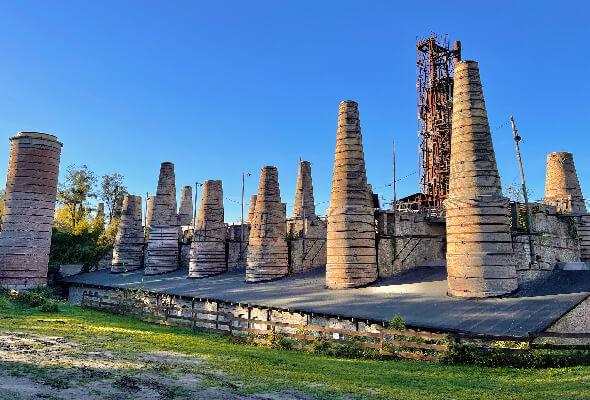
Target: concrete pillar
x,y
162,248
562,187
251,208
267,247
207,254
351,254
479,246
185,213
304,202
128,249
31,188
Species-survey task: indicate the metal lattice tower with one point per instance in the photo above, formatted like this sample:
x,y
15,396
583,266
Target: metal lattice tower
x,y
434,85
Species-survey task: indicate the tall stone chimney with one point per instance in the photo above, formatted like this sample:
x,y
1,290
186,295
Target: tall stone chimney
x,y
31,189
207,253
562,187
162,247
149,211
479,250
128,249
185,213
100,210
267,247
304,203
350,244
251,207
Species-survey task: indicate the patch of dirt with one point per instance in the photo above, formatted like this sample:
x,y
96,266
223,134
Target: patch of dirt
x,y
55,368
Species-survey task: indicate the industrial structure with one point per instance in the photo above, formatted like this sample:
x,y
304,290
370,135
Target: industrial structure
x,y
434,84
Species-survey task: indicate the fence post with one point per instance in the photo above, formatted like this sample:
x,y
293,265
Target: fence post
x,y
216,315
193,315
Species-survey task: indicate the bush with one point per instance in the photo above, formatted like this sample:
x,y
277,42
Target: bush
x,y
39,298
278,341
475,354
397,323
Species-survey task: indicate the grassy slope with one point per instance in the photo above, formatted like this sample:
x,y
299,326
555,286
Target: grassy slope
x,y
260,369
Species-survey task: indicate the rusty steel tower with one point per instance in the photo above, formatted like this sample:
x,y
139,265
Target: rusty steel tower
x,y
434,85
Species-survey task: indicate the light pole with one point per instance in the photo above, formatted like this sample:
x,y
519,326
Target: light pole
x,y
517,139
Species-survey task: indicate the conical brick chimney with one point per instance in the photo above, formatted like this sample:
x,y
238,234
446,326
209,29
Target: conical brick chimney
x,y
479,246
251,207
304,206
162,247
350,244
267,247
562,187
128,249
207,254
29,206
185,212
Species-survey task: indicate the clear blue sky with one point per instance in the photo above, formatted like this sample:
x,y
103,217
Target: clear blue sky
x,y
222,87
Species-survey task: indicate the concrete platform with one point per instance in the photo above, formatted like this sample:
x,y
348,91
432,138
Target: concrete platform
x,y
419,296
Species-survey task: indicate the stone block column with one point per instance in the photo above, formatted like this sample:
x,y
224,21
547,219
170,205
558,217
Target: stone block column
x,y
304,202
351,253
128,249
562,187
31,189
207,254
185,213
162,253
251,207
480,260
268,257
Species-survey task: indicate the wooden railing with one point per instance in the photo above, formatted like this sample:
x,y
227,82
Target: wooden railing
x,y
406,343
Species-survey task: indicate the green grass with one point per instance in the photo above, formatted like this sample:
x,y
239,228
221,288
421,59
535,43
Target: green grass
x,y
256,369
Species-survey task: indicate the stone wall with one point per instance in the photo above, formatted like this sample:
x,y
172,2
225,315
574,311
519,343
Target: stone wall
x,y
576,320
237,251
407,240
554,239
307,244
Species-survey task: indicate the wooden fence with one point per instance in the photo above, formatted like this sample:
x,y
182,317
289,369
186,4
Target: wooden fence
x,y
407,343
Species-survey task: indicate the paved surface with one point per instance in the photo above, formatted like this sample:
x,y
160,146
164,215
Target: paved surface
x,y
419,296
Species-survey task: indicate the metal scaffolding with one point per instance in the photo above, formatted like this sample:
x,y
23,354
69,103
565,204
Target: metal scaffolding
x,y
434,85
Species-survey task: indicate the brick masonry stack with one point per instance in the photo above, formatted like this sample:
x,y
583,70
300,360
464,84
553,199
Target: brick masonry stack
x,y
251,207
304,203
562,190
149,212
100,210
267,248
351,254
480,259
207,254
185,212
162,248
128,249
31,188
562,187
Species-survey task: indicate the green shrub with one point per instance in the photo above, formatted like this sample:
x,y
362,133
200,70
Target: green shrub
x,y
278,341
397,323
475,354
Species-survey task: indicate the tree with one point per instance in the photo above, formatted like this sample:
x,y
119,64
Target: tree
x,y
112,193
75,191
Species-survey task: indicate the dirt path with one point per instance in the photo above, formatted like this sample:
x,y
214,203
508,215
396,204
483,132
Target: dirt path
x,y
41,367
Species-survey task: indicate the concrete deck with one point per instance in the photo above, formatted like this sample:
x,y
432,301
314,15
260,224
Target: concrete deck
x,y
419,296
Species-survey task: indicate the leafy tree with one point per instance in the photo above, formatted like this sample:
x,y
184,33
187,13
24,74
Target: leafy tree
x,y
112,191
75,191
